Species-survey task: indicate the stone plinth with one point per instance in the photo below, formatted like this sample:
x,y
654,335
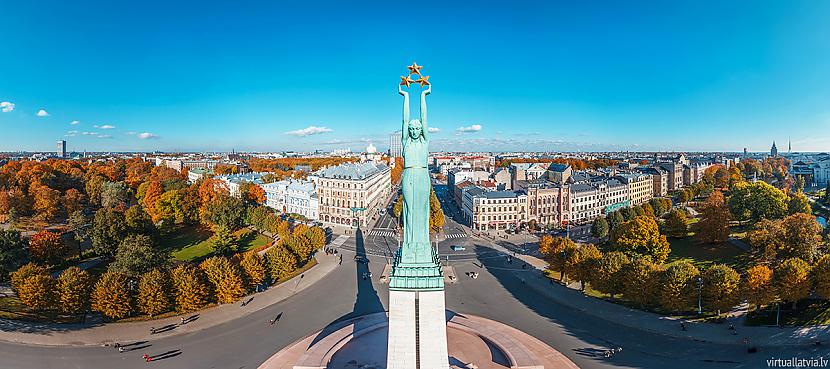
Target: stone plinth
x,y
485,343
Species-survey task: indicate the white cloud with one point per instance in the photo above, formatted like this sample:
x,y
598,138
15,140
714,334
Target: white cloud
x,y
105,126
433,129
74,122
103,136
130,133
71,133
308,131
88,133
147,136
468,129
42,113
6,106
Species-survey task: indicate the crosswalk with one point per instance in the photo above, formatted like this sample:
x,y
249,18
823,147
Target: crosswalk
x,y
339,241
456,235
382,233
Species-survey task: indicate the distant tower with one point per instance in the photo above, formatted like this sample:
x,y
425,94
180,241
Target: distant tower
x,y
744,151
773,151
395,147
61,152
789,147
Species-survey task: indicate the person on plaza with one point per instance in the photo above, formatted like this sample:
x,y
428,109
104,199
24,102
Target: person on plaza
x,y
181,322
152,330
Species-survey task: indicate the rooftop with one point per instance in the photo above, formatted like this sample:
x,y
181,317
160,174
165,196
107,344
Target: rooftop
x,y
352,171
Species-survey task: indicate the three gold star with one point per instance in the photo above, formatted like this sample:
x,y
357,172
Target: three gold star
x,y
406,81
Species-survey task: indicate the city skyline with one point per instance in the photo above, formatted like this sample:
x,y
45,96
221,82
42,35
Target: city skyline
x,y
543,77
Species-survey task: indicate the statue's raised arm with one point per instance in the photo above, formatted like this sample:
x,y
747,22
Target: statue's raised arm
x,y
405,125
424,94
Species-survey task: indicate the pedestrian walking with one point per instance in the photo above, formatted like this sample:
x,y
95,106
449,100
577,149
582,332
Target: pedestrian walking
x,y
152,330
683,326
181,322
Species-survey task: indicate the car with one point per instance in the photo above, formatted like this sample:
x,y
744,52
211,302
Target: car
x,y
457,248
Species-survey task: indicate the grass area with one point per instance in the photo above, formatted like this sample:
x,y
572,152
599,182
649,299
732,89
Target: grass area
x,y
194,243
12,308
807,313
251,240
187,243
704,255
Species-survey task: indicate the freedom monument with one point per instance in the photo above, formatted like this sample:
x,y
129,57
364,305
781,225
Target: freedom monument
x,y
417,321
417,332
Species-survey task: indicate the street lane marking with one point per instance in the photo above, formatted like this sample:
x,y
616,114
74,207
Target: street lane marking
x,y
456,235
382,233
340,240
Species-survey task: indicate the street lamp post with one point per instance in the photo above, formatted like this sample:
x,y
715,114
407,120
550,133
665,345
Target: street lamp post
x,y
699,295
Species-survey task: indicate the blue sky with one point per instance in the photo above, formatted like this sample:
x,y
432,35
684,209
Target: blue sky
x,y
680,75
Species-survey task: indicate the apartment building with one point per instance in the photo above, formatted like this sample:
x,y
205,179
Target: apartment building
x,y
352,193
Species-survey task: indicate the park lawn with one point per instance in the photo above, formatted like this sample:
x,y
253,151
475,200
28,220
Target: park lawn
x,y
188,243
808,313
251,240
704,255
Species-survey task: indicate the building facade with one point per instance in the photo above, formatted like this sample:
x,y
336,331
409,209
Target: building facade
x,y
293,196
352,193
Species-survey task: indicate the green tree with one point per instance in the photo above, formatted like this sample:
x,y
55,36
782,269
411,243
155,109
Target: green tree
x,y
756,201
608,278
111,296
615,218
640,281
224,242
108,229
154,292
627,213
79,226
657,206
756,286
139,222
678,286
677,225
227,211
792,280
641,236
798,184
136,256
281,262
799,204
720,287
190,288
74,286
12,252
599,228
114,194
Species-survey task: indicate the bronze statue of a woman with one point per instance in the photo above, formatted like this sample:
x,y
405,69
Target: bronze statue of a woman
x,y
415,182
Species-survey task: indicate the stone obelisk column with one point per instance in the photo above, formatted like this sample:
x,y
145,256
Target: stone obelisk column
x,y
417,318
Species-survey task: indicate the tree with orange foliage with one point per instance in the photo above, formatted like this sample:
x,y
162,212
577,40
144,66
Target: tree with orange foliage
x,y
210,191
46,202
72,200
136,171
47,247
151,197
252,193
397,170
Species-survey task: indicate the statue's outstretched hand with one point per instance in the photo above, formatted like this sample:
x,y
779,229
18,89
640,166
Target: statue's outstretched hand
x,y
425,92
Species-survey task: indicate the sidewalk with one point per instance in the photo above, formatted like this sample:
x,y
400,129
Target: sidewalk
x,y
79,334
667,326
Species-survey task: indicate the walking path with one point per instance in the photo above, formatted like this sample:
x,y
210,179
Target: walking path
x,y
667,326
99,334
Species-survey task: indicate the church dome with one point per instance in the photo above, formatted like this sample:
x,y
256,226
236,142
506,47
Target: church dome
x,y
371,149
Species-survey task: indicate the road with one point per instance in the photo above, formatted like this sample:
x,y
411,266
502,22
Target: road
x,y
498,293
